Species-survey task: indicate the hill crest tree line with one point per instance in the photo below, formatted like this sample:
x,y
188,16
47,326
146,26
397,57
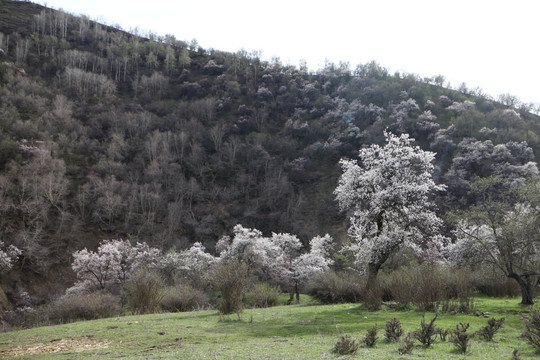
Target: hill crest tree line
x,y
106,134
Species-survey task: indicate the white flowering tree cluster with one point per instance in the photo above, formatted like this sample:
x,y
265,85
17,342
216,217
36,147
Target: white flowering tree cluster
x,y
388,196
111,265
316,260
7,256
504,235
510,245
276,259
192,264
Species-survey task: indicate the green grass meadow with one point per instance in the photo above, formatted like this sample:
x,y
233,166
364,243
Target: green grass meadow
x,y
305,331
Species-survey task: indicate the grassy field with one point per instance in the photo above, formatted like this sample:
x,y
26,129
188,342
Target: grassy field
x,y
305,331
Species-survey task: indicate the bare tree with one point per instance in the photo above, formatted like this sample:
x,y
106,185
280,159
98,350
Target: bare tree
x,y
217,134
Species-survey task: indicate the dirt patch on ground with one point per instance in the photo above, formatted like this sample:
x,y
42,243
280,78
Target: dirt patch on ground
x,y
54,346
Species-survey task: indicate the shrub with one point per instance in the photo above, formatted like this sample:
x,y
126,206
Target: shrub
x,y
346,345
460,337
427,332
230,280
431,287
84,307
184,298
145,291
397,286
263,295
493,325
332,287
458,283
427,286
21,317
393,329
463,306
443,333
491,283
532,329
408,344
371,337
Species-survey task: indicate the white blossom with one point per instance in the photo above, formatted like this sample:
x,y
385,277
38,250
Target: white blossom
x,y
112,263
508,245
388,196
7,256
317,260
278,258
196,258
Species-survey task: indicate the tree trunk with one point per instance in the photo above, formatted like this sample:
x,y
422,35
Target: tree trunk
x,y
291,297
525,287
375,265
292,293
373,270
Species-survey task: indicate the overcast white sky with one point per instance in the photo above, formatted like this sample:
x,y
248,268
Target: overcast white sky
x,y
491,44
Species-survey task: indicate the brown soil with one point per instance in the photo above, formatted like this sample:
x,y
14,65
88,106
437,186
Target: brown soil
x,y
54,346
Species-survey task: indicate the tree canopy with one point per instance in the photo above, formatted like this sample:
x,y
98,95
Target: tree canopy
x,y
388,198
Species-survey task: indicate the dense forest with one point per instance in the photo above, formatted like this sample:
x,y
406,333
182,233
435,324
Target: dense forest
x,y
106,134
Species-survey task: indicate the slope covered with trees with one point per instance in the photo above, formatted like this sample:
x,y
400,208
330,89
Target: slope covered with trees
x,y
107,134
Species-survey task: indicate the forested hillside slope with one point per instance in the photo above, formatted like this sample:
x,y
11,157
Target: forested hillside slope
x,y
106,134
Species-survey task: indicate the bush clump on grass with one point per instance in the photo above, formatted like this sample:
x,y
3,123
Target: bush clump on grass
x,y
263,295
532,329
22,317
493,325
371,337
462,306
231,280
332,287
90,306
427,286
490,282
460,337
145,291
184,298
443,333
393,329
346,345
427,332
408,344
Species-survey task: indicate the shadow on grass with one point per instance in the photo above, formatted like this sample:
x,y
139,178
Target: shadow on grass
x,y
287,321
309,320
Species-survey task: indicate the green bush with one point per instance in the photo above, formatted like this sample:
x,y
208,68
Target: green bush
x,y
184,298
332,287
84,307
145,291
263,295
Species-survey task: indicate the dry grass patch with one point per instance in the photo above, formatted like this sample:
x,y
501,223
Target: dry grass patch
x,y
56,346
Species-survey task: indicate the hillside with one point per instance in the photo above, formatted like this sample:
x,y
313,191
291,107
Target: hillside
x,y
105,134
